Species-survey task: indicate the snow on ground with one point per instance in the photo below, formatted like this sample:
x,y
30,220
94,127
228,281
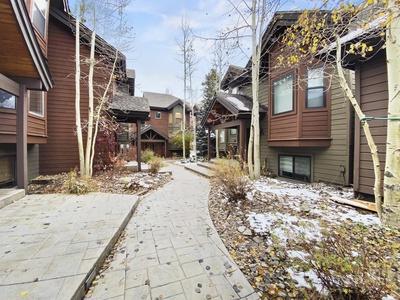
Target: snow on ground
x,y
303,206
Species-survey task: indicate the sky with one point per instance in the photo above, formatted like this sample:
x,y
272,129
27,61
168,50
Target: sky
x,y
156,26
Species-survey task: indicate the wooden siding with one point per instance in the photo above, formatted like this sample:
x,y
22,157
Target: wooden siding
x,y
60,154
8,124
371,79
33,161
36,125
326,162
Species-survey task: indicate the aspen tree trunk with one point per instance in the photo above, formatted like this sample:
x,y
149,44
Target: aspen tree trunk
x,y
365,125
391,211
103,100
254,141
78,98
88,166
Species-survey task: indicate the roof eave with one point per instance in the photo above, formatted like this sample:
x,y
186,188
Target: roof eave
x,y
38,58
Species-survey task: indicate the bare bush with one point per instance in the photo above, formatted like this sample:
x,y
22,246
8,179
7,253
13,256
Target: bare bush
x,y
155,164
231,178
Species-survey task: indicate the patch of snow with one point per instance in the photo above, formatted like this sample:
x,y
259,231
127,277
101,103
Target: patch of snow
x,y
297,254
300,277
239,104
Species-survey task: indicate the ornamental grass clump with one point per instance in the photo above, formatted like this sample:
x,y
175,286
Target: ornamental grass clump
x,y
147,155
78,185
231,178
155,164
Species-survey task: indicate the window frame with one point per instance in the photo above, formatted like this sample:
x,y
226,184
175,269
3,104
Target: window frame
x,y
295,176
37,12
316,87
15,101
40,114
274,113
157,115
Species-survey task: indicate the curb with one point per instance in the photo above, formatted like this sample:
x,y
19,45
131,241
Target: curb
x,y
86,283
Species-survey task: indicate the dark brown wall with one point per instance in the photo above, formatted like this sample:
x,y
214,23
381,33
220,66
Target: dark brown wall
x,y
371,89
160,124
60,154
301,123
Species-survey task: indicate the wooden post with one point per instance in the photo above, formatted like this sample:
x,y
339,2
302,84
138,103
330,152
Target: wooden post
x,y
208,144
139,145
22,139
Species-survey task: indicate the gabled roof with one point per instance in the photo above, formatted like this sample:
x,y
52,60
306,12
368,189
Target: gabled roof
x,y
164,101
276,27
236,104
235,76
150,128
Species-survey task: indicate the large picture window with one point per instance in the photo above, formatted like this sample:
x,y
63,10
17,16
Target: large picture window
x,y
36,102
283,94
315,87
7,100
295,167
39,15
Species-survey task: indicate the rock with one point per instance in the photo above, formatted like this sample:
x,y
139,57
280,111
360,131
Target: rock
x,y
197,290
305,208
257,240
241,229
247,232
282,295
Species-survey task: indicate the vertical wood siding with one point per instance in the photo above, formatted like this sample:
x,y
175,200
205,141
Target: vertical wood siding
x,y
373,94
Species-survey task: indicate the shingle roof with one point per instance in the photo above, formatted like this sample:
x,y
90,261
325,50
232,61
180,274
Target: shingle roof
x,y
166,101
125,102
237,103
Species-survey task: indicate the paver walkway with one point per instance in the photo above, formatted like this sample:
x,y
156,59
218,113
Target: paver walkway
x,y
50,244
172,250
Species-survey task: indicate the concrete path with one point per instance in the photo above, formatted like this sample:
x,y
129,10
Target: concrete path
x,y
51,245
172,250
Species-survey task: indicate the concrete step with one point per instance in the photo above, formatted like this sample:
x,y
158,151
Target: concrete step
x,y
10,195
208,165
206,172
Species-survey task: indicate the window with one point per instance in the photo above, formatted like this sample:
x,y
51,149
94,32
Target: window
x,y
36,102
222,136
178,118
315,87
283,94
39,15
7,100
295,167
158,114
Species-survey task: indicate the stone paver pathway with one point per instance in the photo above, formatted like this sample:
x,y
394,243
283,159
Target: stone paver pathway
x,y
172,250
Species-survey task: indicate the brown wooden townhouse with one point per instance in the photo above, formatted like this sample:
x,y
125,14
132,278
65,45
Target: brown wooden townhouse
x,y
24,78
307,134
166,117
60,153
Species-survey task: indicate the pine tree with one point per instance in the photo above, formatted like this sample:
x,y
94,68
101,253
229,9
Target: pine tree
x,y
210,87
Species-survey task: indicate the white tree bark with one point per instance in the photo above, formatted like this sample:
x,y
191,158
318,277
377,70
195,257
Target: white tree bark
x,y
78,124
365,125
391,211
88,165
254,141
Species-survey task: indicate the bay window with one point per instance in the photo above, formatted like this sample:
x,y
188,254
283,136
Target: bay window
x,y
7,100
36,102
39,15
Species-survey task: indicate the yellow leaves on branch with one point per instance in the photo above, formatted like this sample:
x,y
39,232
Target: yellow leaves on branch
x,y
360,49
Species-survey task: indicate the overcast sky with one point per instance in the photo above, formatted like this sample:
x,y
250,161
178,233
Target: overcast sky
x,y
156,26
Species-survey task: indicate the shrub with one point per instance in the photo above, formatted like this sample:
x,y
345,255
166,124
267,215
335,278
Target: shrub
x,y
155,164
360,265
147,155
77,185
230,177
